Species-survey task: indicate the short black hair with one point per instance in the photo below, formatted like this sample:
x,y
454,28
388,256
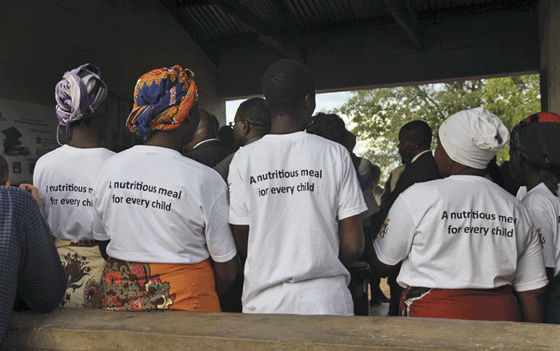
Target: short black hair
x,y
225,134
4,170
208,126
329,126
285,84
256,112
375,173
419,132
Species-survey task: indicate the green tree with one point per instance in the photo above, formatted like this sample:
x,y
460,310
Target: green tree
x,y
379,114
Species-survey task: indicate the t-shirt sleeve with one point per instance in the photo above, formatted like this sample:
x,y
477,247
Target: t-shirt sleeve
x,y
545,223
350,199
98,228
238,211
530,274
394,241
219,238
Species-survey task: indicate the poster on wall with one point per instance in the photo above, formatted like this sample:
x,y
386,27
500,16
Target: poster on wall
x,y
27,131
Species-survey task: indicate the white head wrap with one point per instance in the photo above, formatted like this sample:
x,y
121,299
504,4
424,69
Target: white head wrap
x,y
80,94
473,137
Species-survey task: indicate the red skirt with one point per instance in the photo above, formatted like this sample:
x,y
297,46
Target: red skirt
x,y
498,304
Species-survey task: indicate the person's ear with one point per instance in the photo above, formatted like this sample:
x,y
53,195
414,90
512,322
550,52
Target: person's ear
x,y
245,127
310,102
6,183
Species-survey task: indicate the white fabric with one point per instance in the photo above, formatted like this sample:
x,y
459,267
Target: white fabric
x,y
293,248
544,210
473,137
422,229
65,179
522,191
71,87
204,142
176,210
420,154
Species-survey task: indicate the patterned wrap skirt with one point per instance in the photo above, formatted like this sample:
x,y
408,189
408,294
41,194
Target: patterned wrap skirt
x,y
83,265
499,304
134,286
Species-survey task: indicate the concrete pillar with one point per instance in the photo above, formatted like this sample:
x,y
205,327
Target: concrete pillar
x,y
549,27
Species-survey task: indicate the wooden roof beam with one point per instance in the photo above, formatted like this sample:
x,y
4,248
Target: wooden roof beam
x,y
270,36
407,19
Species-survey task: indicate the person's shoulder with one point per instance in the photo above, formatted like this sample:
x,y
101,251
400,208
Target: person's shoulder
x,y
119,155
320,144
318,139
199,169
425,187
16,195
540,197
106,152
204,177
498,190
51,156
250,148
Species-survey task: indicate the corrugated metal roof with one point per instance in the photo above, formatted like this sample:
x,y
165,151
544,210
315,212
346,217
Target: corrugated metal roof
x,y
242,22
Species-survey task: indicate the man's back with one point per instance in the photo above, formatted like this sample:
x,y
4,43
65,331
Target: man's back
x,y
422,169
209,152
291,190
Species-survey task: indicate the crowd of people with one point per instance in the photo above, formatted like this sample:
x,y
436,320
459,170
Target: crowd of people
x,y
276,225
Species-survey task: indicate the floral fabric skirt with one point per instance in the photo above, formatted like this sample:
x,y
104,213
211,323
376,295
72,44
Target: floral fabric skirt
x,y
499,304
134,286
83,265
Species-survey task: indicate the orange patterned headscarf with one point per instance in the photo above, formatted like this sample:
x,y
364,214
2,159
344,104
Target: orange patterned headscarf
x,y
163,98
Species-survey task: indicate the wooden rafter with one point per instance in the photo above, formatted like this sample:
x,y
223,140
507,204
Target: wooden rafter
x,y
266,34
406,18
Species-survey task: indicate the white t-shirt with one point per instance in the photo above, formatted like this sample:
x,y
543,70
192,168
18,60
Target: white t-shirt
x,y
461,232
522,191
292,190
65,179
157,206
544,211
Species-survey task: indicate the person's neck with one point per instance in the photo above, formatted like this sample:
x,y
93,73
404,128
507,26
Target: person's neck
x,y
470,171
164,139
283,124
252,137
84,138
532,180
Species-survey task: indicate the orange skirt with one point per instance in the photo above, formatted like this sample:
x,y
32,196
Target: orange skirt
x,y
134,286
498,304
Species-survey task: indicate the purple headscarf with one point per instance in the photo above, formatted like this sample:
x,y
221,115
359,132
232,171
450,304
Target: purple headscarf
x,y
80,94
